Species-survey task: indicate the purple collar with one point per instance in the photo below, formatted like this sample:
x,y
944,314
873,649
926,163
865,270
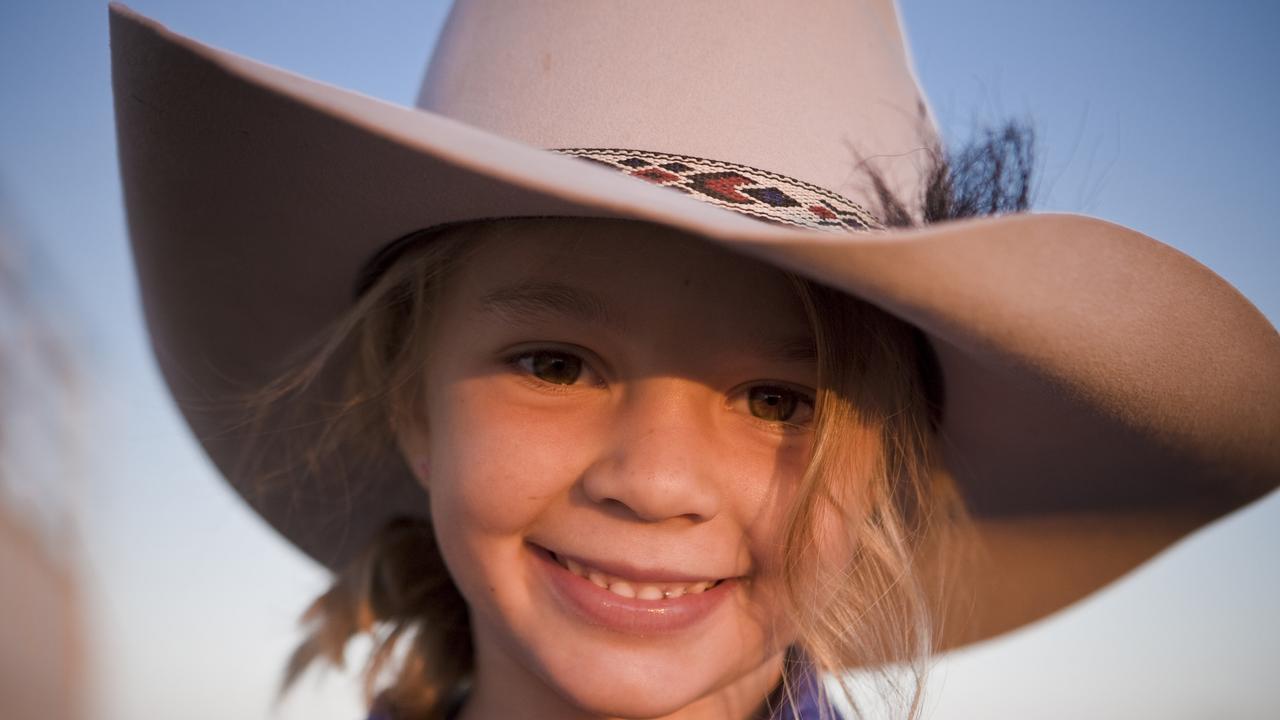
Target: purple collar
x,y
809,697
809,701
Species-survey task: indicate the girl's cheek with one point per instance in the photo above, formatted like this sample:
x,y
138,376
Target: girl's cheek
x,y
775,472
499,464
830,537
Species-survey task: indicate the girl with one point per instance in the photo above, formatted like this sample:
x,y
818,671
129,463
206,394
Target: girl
x,y
618,429
594,448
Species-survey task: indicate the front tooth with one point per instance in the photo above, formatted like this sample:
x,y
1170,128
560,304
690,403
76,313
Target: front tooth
x,y
649,592
598,579
622,588
698,587
574,566
675,592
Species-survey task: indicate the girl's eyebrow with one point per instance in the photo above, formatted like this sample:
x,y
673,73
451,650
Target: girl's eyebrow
x,y
532,301
793,350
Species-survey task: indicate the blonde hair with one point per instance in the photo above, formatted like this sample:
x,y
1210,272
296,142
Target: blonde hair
x,y
872,469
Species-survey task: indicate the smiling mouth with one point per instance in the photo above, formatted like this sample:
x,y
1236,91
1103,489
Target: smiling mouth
x,y
632,588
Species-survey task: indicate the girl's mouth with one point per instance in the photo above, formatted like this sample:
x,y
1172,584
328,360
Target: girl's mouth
x,y
631,604
633,588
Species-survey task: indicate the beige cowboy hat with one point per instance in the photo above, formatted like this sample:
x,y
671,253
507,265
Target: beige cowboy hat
x,y
1104,393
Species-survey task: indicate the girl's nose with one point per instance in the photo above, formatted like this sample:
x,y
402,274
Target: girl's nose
x,y
661,462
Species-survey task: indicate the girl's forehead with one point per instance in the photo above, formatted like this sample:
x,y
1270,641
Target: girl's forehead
x,y
671,293
624,269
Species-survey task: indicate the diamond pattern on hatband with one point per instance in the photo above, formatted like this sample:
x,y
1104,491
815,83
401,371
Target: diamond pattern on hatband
x,y
743,189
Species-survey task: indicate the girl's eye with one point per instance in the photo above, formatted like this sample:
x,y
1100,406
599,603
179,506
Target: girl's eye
x,y
776,404
557,368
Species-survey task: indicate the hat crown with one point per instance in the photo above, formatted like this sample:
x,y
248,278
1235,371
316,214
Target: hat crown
x,y
807,93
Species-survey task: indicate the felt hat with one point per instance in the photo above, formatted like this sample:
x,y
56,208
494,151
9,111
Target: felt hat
x,y
1088,370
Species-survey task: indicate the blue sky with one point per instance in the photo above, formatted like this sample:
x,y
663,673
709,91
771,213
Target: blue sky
x,y
1157,115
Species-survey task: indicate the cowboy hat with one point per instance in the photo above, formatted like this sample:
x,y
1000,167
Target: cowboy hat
x,y
1090,372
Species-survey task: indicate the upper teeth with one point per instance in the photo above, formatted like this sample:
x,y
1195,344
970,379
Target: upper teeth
x,y
628,589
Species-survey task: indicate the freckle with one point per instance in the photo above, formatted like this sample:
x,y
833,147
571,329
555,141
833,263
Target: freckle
x,y
546,62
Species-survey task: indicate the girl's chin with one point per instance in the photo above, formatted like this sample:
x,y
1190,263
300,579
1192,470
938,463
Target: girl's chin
x,y
611,704
638,681
625,695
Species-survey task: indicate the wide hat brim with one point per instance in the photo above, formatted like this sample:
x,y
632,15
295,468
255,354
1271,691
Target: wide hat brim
x,y
1087,367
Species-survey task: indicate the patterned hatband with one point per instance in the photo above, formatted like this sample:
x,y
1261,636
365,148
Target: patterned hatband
x,y
758,193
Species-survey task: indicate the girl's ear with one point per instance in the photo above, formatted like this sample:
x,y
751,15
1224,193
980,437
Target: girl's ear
x,y
411,438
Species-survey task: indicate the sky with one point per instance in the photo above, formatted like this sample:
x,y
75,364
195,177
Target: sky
x,y
1157,115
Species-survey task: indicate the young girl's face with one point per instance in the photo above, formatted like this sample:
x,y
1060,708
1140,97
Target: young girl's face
x,y
615,419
